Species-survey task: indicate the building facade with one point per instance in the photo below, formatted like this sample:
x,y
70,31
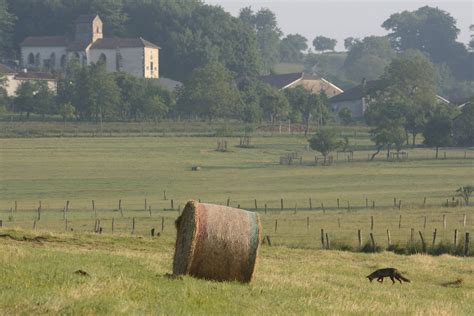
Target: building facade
x,y
135,56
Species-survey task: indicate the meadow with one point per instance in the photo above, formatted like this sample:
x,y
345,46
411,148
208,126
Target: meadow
x,y
128,272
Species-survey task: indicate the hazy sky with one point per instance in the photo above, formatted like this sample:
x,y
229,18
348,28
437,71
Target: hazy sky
x,y
343,18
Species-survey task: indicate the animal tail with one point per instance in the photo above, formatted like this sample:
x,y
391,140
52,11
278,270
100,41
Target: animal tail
x,y
403,278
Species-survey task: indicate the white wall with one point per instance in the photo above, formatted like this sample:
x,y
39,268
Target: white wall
x,y
132,59
12,84
45,54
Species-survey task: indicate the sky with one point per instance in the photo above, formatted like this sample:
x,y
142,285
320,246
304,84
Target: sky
x,y
340,19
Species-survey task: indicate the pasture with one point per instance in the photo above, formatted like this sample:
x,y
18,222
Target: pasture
x,y
294,275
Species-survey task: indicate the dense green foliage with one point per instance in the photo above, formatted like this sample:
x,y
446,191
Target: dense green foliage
x,y
464,125
292,47
322,43
325,141
368,58
438,132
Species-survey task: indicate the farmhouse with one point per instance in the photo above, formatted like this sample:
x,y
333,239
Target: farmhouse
x,y
14,79
312,83
357,99
135,56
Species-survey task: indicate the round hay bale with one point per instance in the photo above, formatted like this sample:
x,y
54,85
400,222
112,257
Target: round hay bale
x,y
216,242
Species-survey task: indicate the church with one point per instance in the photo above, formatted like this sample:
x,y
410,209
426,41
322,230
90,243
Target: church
x,y
135,56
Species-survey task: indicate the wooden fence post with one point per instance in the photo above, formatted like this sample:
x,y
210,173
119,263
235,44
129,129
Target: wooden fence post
x,y
162,224
338,222
228,201
152,232
276,225
172,204
466,245
444,221
366,203
372,241
399,204
322,206
145,207
39,213
348,206
34,225
327,242
338,203
281,204
464,220
120,205
394,202
67,205
113,224
434,237
310,204
424,223
307,223
149,210
359,237
424,201
389,240
400,222
1,223
133,225
265,208
455,238
256,206
371,223
322,237
423,245
16,205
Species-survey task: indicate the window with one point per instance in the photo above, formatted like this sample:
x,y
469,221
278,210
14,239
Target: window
x,y
52,60
102,58
151,68
37,60
31,59
63,61
118,61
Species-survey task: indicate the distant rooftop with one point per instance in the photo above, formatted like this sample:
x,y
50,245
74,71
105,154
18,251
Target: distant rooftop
x,y
119,42
48,41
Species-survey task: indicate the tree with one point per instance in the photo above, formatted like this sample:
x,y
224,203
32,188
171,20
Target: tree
x,y
273,103
7,22
368,58
291,48
428,29
265,24
387,135
3,94
349,42
324,141
209,93
465,192
322,43
345,115
24,100
43,99
464,126
412,87
66,110
438,132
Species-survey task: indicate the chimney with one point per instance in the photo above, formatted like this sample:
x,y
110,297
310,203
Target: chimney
x,y
364,83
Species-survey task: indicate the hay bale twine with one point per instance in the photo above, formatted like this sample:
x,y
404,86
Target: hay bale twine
x,y
216,242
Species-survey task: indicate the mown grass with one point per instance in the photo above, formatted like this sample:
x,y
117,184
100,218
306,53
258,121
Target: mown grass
x,y
294,276
129,275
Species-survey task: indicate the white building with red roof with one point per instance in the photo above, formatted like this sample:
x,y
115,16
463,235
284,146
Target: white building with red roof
x,y
135,56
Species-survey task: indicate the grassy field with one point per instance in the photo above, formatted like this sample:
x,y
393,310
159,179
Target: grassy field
x,y
128,272
129,275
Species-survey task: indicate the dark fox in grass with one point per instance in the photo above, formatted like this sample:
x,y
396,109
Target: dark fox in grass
x,y
391,273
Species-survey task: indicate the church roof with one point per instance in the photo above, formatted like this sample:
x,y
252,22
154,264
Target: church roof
x,y
77,46
120,42
360,91
86,18
45,41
